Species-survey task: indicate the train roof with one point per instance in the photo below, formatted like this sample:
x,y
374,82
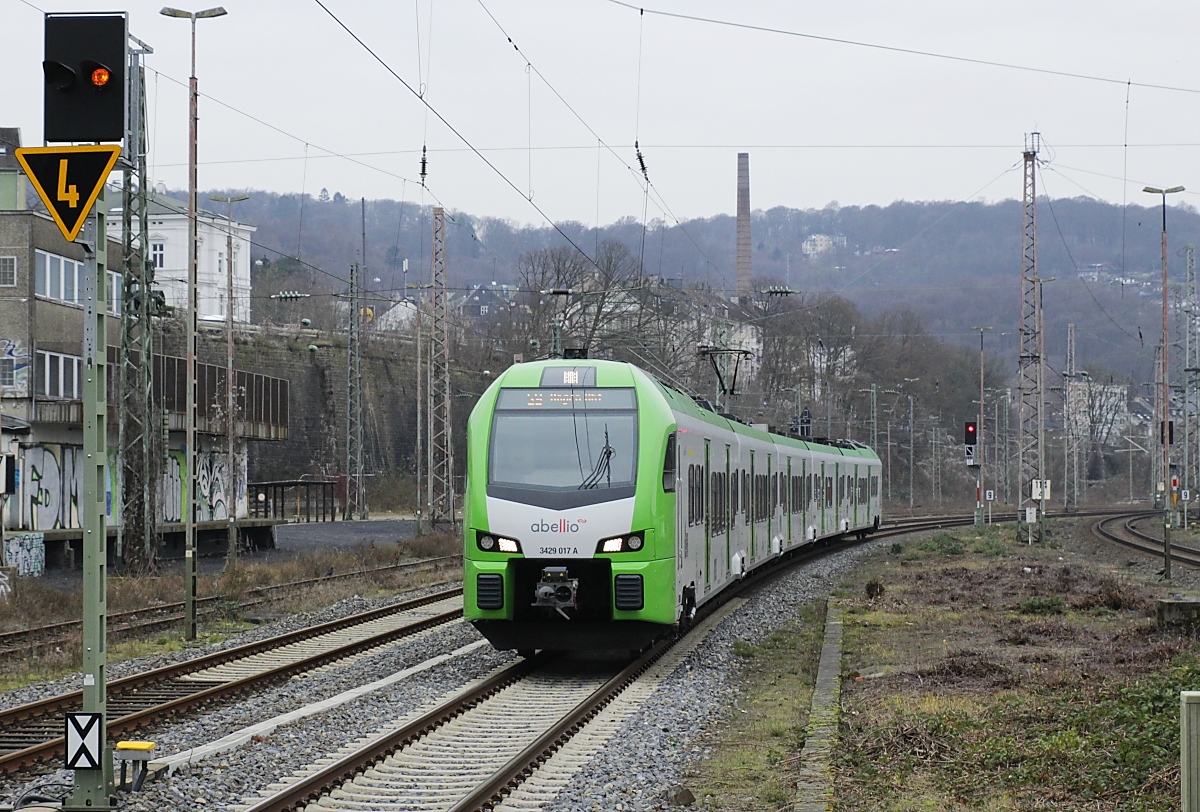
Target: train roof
x,y
620,373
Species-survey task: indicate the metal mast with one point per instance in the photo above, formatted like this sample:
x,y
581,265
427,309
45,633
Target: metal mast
x,y
356,498
1190,367
138,428
744,293
1075,406
1029,443
441,450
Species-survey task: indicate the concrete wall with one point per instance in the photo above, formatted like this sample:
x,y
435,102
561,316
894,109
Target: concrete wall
x,y
317,433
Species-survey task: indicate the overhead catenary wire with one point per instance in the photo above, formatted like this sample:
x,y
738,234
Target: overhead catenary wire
x,y
454,130
659,201
900,50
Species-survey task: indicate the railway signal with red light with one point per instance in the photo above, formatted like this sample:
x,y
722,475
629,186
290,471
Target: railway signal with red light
x,y
84,66
971,433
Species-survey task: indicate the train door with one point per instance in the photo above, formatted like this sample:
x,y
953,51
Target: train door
x,y
692,524
805,497
751,507
769,501
839,495
852,481
706,568
683,486
789,493
730,515
821,495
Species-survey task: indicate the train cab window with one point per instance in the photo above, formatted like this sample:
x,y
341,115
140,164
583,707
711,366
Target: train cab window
x,y
578,443
669,465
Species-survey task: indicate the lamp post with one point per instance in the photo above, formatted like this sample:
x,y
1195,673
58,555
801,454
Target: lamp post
x,y
231,497
979,435
189,522
1164,393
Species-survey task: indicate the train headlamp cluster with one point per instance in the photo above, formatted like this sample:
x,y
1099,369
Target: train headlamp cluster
x,y
621,544
488,543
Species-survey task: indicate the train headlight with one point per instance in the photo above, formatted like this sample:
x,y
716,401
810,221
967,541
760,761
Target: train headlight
x,y
509,546
487,543
620,544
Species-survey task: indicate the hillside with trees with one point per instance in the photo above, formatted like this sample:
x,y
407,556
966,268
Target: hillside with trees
x,y
883,296
955,265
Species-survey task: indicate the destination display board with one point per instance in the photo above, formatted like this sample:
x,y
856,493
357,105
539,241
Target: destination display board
x,y
563,399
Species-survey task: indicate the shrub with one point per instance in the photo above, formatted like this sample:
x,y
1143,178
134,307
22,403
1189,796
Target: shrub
x,y
1040,605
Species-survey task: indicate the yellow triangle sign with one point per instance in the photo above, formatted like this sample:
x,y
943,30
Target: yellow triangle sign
x,y
68,180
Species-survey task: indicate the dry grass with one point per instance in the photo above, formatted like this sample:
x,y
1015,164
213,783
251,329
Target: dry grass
x,y
1052,690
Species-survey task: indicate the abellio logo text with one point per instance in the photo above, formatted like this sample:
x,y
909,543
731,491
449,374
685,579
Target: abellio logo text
x,y
560,526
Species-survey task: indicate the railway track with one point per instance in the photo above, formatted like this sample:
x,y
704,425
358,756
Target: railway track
x,y
474,749
138,622
33,732
1121,530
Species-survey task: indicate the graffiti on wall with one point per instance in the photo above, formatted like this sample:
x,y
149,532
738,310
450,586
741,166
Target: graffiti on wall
x,y
52,481
51,488
19,355
213,494
5,586
26,552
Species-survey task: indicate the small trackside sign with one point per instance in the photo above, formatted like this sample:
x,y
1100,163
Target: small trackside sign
x,y
85,741
68,180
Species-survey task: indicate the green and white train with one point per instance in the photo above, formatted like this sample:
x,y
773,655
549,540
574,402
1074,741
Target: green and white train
x,y
603,507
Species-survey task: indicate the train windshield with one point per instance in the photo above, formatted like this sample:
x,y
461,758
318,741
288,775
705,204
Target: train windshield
x,y
564,440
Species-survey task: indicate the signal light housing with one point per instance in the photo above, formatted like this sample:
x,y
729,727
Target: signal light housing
x,y
971,433
84,65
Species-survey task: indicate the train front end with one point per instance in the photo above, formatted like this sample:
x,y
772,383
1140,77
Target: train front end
x,y
568,532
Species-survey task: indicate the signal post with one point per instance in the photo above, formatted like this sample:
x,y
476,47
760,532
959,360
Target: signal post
x,y
86,56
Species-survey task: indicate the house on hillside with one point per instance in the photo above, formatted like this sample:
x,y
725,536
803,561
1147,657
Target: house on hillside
x,y
486,300
820,243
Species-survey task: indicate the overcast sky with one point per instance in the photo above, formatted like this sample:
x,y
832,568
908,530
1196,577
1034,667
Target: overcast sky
x,y
822,120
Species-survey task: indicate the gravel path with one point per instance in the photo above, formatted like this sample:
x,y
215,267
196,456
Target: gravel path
x,y
645,759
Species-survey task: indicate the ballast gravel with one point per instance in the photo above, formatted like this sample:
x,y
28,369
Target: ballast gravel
x,y
634,772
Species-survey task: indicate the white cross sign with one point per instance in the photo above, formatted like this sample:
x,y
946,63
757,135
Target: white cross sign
x,y
85,741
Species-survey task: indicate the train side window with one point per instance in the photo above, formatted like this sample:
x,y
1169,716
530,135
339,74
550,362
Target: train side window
x,y
669,465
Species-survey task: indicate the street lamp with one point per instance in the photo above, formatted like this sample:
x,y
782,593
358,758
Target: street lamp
x,y
1164,394
231,497
189,524
979,435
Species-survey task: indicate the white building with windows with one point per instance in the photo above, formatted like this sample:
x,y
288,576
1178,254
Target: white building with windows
x,y
167,250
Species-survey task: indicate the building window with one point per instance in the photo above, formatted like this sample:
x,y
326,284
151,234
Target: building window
x,y
57,278
114,292
158,253
483,310
8,372
57,375
8,272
